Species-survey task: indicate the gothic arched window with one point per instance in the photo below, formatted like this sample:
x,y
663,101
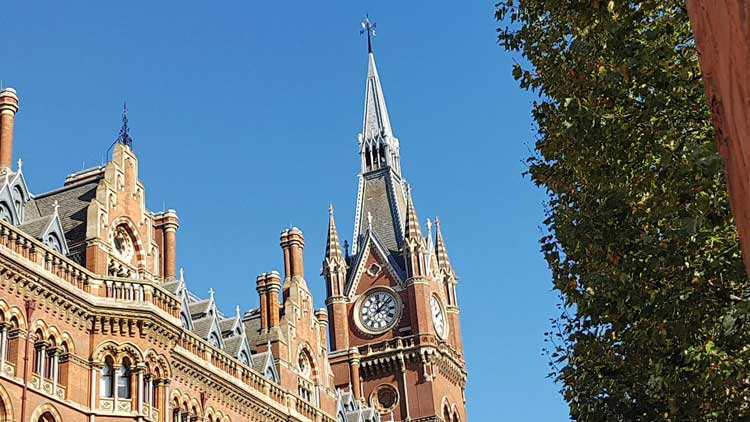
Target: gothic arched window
x,y
5,213
53,242
123,380
105,382
214,340
244,358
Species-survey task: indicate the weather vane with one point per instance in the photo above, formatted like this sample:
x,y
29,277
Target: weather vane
x,y
369,27
124,136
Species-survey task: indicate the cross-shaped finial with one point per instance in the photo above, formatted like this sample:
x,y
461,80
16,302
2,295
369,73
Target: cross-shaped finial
x,y
55,206
182,274
211,292
429,228
369,220
369,27
19,164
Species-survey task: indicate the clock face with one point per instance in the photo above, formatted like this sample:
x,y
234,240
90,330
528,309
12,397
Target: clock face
x,y
379,310
438,319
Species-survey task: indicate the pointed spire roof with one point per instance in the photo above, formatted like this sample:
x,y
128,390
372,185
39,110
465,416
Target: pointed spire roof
x,y
376,119
333,246
442,253
412,229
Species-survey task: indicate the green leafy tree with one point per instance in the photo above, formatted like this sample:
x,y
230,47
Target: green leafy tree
x,y
640,239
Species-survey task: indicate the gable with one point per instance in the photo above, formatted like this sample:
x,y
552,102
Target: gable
x,y
373,253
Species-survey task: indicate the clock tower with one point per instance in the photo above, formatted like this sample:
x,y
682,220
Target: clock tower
x,y
393,315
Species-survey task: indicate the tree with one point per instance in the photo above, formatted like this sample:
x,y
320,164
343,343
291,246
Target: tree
x,y
654,322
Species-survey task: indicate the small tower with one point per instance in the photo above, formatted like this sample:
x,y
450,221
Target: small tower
x,y
335,271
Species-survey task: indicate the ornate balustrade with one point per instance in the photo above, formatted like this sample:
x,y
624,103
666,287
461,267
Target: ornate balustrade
x,y
25,247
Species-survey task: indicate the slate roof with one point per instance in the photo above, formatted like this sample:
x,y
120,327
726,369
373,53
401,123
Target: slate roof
x,y
199,308
36,226
259,361
251,321
73,201
202,326
226,325
232,345
172,286
381,199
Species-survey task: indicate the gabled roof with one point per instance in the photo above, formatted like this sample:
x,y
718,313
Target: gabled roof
x,y
372,242
199,308
73,201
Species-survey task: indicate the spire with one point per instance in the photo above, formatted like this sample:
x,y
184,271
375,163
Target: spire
x,y
412,229
124,137
377,146
442,253
333,246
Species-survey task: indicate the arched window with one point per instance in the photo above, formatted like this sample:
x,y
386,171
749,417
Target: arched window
x,y
214,340
123,380
46,417
39,351
105,383
53,242
244,358
184,320
49,362
270,375
5,213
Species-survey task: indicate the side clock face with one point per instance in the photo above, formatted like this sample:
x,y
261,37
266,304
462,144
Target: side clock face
x,y
438,318
378,311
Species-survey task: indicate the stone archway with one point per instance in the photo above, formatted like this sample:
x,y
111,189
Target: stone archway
x,y
6,406
46,413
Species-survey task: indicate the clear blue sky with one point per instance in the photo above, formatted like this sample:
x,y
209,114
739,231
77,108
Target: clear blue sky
x,y
245,119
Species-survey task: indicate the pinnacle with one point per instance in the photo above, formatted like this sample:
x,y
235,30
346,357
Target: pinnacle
x,y
412,229
442,252
333,246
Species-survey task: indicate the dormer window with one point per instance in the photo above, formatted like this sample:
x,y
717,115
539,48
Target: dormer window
x,y
5,213
214,340
53,242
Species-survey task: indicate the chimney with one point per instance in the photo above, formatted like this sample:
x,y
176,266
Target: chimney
x,y
322,316
263,293
273,286
296,242
8,110
168,222
284,242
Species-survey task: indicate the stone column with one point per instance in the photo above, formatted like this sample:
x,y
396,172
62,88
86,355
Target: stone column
x,y
140,390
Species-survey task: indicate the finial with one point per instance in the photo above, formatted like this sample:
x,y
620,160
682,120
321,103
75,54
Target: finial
x,y
238,311
124,137
55,206
369,220
429,228
369,27
330,209
346,249
182,274
211,293
19,164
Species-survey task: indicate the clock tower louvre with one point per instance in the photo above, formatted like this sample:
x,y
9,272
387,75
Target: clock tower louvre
x,y
392,309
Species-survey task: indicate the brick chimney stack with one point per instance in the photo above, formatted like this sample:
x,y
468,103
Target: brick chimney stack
x,y
263,295
8,110
273,286
168,222
296,246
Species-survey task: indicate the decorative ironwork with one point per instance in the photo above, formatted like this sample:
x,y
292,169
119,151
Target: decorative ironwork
x,y
124,137
368,27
